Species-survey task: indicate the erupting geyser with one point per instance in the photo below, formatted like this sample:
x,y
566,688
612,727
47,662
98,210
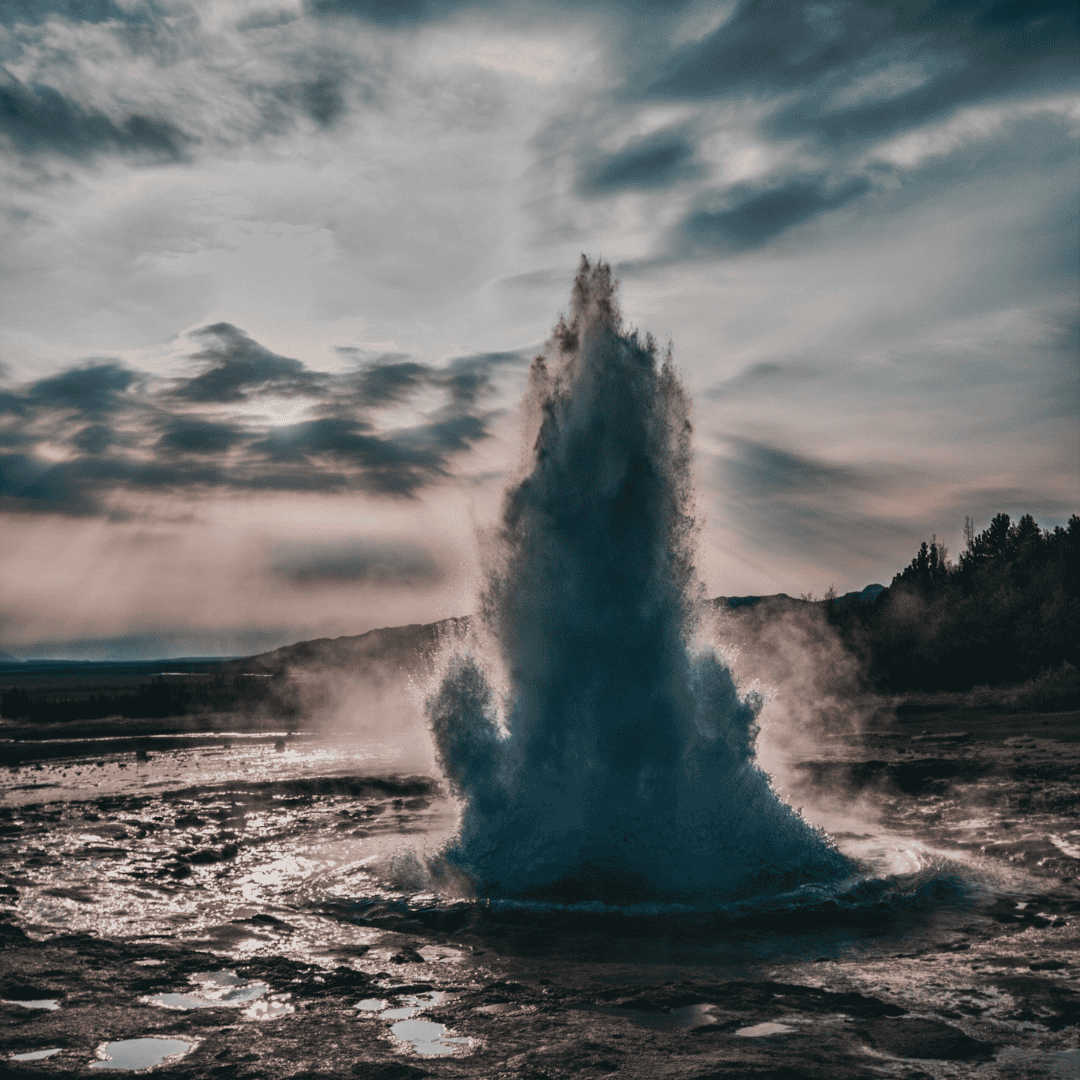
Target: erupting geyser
x,y
615,761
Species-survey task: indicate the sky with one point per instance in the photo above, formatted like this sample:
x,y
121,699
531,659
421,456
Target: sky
x,y
272,273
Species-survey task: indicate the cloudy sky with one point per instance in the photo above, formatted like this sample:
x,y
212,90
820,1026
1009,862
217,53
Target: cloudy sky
x,y
271,273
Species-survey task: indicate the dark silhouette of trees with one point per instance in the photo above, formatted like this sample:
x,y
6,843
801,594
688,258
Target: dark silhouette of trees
x,y
1008,610
158,698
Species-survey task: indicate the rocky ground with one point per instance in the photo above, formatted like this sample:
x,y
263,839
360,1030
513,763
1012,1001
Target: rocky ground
x,y
992,991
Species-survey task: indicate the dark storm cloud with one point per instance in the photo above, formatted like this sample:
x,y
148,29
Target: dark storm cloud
x,y
658,161
833,80
123,432
756,217
94,438
394,463
92,391
954,52
30,484
323,100
240,367
37,119
393,377
469,377
447,435
11,404
91,11
335,437
190,435
410,12
12,438
389,379
402,562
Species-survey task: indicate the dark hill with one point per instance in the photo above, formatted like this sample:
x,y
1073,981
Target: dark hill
x,y
376,653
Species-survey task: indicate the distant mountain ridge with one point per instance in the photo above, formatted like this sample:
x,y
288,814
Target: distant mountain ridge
x,y
395,646
870,593
366,654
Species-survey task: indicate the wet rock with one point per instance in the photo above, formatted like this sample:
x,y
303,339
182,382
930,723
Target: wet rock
x,y
352,950
11,935
1049,1003
389,1071
913,1037
204,857
82,896
269,921
13,988
766,999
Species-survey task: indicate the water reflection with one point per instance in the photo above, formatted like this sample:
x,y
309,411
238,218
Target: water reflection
x,y
140,1053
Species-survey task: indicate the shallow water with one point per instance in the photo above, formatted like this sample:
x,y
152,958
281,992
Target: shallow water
x,y
140,1053
248,851
197,841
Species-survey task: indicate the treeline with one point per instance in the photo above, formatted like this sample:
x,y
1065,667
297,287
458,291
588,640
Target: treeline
x,y
1007,611
276,696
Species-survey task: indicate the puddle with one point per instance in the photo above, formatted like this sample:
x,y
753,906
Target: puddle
x,y
370,1005
35,1003
426,1037
402,1013
225,989
36,1055
767,1028
269,1010
499,1007
140,1053
149,963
